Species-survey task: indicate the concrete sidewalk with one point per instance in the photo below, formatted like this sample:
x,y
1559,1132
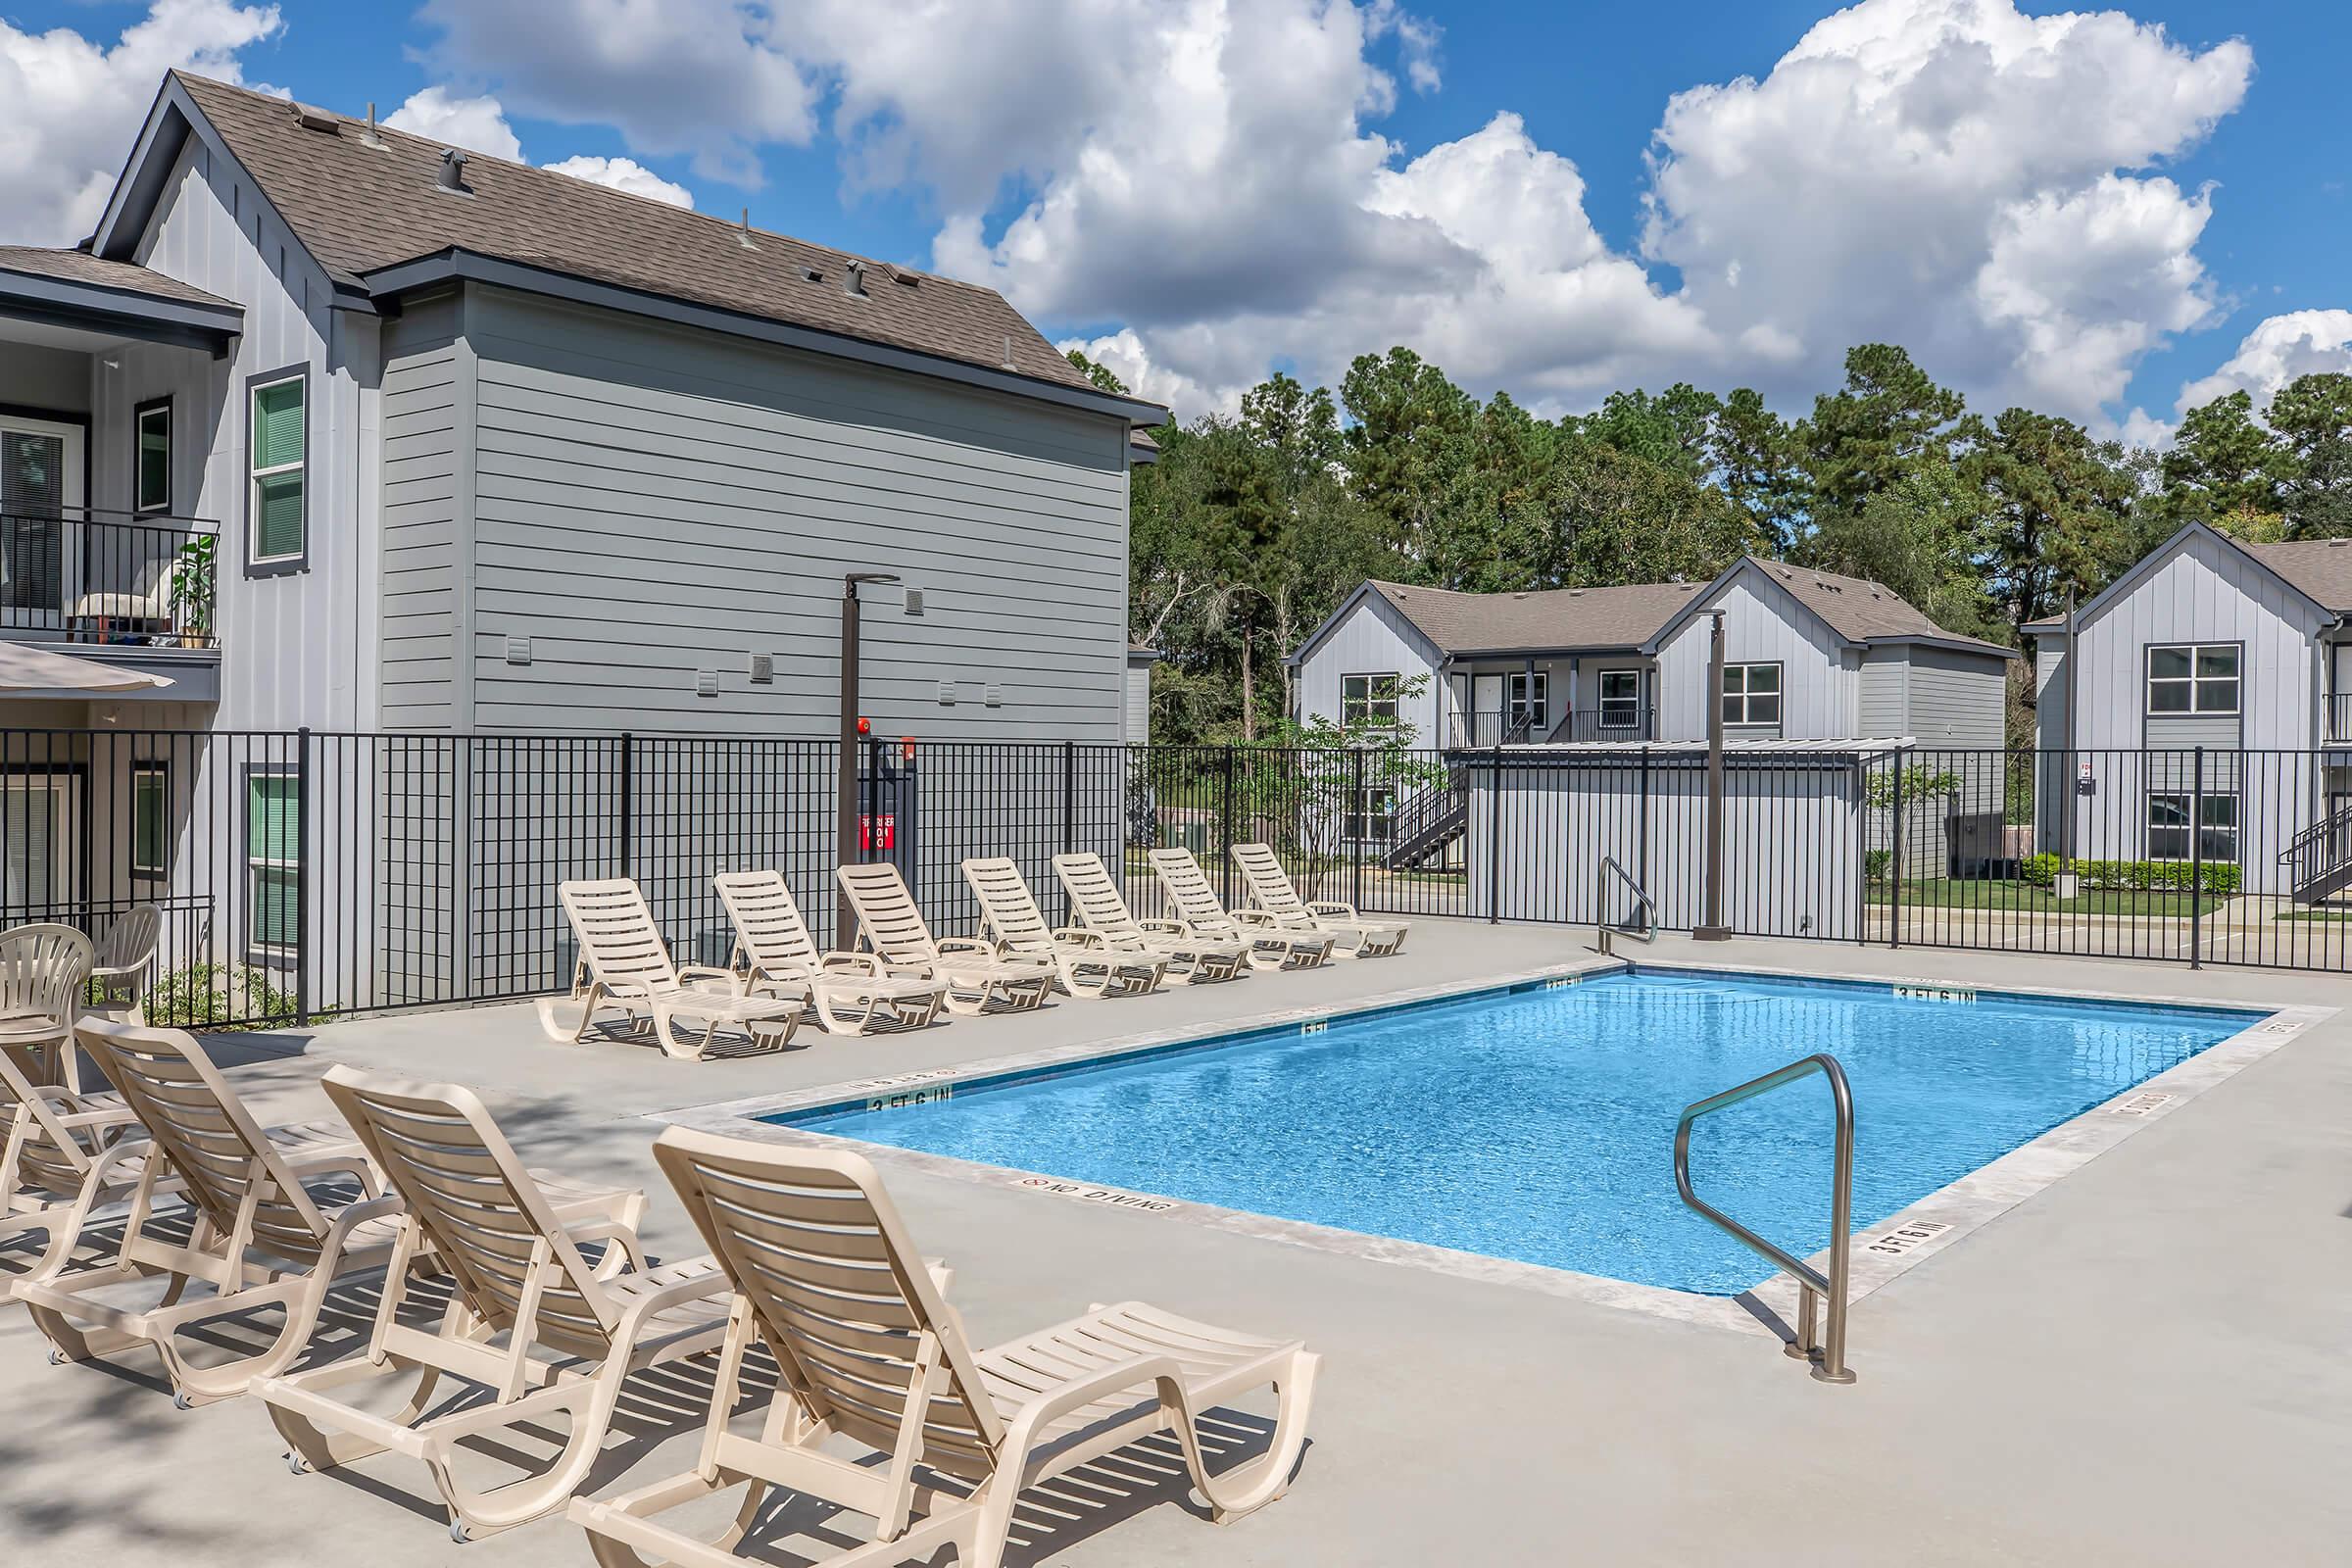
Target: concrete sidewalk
x,y
2144,1364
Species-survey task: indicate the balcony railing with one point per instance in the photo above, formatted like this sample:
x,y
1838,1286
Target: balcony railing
x,y
1601,725
88,574
2339,717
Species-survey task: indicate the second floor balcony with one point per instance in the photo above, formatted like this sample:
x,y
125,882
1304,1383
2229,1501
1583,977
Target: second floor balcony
x,y
91,577
1610,724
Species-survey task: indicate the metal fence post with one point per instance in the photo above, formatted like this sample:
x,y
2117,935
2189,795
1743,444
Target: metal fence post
x,y
302,878
1363,830
1894,863
628,803
1495,842
1069,816
2196,863
1225,832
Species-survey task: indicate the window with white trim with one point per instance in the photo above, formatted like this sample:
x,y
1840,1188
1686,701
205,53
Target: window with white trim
x,y
1751,695
1527,700
1620,698
1371,817
2186,678
151,471
277,496
149,820
2168,814
1367,700
273,856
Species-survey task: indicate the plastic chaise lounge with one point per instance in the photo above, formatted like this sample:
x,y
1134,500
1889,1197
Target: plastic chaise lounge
x,y
533,1331
1275,900
849,989
872,1358
1084,965
274,1226
625,965
889,924
1103,910
1203,916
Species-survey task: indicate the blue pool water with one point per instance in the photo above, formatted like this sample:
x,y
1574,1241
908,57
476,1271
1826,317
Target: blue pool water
x,y
1539,1124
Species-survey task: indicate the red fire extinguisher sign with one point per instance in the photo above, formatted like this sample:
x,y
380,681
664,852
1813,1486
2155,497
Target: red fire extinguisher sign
x,y
889,834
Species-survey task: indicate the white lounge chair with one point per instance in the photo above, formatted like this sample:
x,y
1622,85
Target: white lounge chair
x,y
889,924
849,989
1084,965
625,965
1202,915
1103,910
871,1357
274,1226
573,1332
1273,896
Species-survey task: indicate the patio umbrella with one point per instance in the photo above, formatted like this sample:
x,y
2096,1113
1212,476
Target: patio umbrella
x,y
25,668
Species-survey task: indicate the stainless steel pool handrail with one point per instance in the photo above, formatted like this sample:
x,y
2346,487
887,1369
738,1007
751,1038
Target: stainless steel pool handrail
x,y
1648,907
1828,1357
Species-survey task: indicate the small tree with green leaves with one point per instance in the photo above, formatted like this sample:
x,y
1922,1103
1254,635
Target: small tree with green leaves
x,y
1300,782
1919,786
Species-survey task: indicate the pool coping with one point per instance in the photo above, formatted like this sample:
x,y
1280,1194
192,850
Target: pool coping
x,y
1880,1255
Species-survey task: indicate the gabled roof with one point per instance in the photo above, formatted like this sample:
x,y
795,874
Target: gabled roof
x,y
81,266
1638,616
362,210
2306,569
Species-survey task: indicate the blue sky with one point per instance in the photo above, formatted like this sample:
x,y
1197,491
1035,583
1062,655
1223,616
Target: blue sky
x,y
1273,211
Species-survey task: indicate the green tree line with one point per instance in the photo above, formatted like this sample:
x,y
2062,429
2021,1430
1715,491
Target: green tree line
x,y
1253,526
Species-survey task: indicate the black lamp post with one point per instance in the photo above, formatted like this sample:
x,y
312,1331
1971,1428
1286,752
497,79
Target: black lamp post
x,y
845,813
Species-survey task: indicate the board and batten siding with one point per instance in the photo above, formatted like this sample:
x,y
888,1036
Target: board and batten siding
x,y
1820,676
428,450
295,648
1375,639
2208,591
652,503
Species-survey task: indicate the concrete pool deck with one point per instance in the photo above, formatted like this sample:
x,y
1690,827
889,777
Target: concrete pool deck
x,y
2143,1362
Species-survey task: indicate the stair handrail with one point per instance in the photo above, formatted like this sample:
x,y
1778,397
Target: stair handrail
x,y
1828,1357
2336,821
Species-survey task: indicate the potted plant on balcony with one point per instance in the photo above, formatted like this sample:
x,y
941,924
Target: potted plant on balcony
x,y
191,590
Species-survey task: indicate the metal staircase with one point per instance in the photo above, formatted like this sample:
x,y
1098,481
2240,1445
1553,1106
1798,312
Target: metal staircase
x,y
2319,860
1426,823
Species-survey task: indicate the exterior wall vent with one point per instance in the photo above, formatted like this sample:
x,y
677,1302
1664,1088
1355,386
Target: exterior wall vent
x,y
947,694
914,601
996,695
706,683
518,650
763,669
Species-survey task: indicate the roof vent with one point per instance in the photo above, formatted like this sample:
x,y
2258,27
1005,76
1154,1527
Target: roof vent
x,y
812,275
1009,365
370,137
852,277
452,175
317,119
743,235
904,278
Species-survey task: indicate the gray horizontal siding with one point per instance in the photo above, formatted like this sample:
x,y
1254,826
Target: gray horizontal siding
x,y
421,550
1957,699
653,503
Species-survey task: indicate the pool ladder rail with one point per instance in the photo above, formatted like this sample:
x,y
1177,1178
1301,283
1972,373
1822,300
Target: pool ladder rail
x,y
1828,1354
1646,906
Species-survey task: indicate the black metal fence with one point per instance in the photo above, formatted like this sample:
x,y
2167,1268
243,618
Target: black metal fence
x,y
306,873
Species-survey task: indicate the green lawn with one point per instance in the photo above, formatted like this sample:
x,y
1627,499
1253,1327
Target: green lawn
x,y
2326,917
1940,893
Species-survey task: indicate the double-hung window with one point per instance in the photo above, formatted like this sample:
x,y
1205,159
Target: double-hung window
x,y
1371,817
151,465
1367,700
272,855
149,820
2186,678
278,492
2169,815
1620,697
1751,695
1527,700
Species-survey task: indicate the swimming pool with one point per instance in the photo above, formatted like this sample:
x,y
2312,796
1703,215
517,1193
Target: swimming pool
x,y
1538,1124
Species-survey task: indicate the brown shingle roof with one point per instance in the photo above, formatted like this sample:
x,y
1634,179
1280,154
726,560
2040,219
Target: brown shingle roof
x,y
81,266
1550,618
359,208
2321,568
1855,609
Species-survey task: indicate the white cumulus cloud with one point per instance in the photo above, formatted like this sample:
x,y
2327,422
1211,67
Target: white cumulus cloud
x,y
2278,350
70,107
625,174
477,124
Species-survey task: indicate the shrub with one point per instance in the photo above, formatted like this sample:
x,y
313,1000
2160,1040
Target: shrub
x,y
201,995
2215,879
1875,864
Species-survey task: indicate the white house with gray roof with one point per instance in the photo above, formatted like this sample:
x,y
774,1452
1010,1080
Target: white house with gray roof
x,y
2240,649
